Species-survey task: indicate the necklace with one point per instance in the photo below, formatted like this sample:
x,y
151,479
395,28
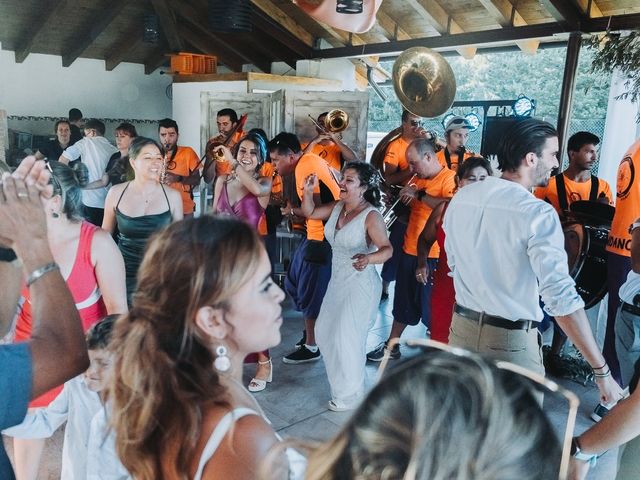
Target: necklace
x,y
346,213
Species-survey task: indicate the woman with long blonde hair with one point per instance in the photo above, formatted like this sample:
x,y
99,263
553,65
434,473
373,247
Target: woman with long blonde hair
x,y
205,299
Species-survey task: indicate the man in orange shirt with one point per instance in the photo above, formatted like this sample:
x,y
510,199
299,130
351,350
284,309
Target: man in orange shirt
x,y
181,163
576,183
310,268
619,244
397,172
434,184
456,133
330,147
227,120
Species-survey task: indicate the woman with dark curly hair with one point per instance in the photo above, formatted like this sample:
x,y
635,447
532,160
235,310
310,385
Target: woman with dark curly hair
x,y
358,235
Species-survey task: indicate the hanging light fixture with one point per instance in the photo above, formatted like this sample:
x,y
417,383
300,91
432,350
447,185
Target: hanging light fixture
x,y
524,106
151,25
474,120
230,16
349,6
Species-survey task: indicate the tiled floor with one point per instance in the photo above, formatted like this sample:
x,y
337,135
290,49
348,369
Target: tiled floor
x,y
296,402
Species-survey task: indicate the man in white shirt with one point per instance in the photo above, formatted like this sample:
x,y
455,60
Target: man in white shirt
x,y
505,248
95,151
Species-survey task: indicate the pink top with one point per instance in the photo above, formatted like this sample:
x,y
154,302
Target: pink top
x,y
247,208
83,284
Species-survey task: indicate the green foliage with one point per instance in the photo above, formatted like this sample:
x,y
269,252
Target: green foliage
x,y
505,76
617,51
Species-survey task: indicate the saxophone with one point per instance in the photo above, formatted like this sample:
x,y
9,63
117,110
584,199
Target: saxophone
x,y
163,169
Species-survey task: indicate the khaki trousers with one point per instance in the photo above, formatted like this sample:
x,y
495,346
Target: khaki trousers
x,y
521,347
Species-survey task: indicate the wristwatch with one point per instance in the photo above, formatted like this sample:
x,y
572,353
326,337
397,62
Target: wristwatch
x,y
633,226
577,453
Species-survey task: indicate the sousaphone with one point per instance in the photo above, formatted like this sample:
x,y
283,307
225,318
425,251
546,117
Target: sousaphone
x,y
424,84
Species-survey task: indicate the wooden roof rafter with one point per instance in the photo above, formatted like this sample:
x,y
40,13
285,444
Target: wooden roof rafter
x,y
168,23
391,26
129,42
34,28
504,12
84,40
564,12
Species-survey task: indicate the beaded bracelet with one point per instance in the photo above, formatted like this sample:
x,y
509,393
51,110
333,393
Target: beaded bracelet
x,y
41,271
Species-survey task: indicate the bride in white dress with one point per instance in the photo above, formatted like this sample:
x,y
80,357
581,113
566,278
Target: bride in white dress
x,y
358,235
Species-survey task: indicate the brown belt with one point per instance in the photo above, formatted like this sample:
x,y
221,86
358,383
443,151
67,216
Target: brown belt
x,y
486,319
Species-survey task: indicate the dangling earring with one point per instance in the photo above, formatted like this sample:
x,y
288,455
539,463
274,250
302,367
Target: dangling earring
x,y
222,362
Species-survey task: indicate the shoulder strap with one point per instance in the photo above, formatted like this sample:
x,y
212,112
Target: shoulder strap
x,y
122,194
595,186
447,157
562,192
218,434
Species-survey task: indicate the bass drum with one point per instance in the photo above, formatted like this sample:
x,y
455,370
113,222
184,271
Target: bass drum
x,y
585,246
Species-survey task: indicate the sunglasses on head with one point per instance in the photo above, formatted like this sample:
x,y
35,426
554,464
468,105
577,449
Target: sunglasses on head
x,y
559,395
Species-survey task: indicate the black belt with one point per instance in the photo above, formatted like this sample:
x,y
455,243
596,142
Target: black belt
x,y
486,319
632,309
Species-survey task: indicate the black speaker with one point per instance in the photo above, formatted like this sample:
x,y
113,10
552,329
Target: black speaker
x,y
230,16
492,132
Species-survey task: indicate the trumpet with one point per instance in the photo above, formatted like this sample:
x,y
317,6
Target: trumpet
x,y
390,211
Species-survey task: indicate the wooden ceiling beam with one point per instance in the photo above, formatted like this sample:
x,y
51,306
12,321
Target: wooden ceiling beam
x,y
154,61
209,46
590,8
35,27
168,24
285,21
391,27
271,48
504,12
129,41
190,16
435,15
564,12
94,29
284,39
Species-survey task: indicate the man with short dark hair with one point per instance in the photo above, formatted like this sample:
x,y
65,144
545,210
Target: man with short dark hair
x,y
54,148
505,249
95,151
76,123
310,269
227,121
181,163
576,183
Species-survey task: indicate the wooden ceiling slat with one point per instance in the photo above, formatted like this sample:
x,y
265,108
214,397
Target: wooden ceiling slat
x,y
504,13
433,13
263,22
565,12
590,8
28,38
210,46
155,61
168,23
285,21
393,29
93,31
129,41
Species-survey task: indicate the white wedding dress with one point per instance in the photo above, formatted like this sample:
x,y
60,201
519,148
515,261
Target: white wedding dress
x,y
349,309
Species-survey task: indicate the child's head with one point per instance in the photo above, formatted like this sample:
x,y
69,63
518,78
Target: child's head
x,y
98,337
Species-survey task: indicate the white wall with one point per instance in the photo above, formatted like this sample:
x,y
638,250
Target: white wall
x,y
40,86
186,107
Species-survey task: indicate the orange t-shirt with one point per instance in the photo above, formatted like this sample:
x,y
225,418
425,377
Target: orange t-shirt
x,y
331,154
395,154
442,185
453,157
308,164
186,162
576,191
627,203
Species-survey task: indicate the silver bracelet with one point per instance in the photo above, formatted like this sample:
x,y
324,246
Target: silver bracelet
x,y
41,271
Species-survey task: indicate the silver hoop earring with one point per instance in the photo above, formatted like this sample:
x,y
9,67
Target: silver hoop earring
x,y
222,363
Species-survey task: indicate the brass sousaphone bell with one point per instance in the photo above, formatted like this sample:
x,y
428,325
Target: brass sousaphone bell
x,y
424,82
